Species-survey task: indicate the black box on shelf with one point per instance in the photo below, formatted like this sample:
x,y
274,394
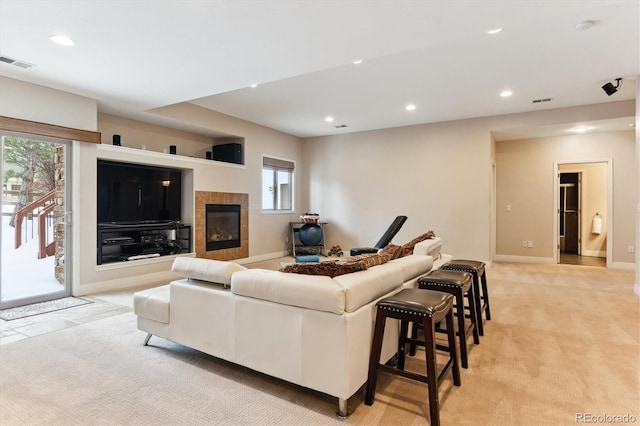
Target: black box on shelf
x,y
228,152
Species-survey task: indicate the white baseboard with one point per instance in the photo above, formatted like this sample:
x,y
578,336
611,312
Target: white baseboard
x,y
623,265
522,259
262,257
135,281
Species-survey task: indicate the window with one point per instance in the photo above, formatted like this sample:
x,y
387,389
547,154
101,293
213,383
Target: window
x,y
277,184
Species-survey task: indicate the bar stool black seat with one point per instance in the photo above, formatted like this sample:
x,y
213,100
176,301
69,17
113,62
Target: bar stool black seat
x,y
481,293
427,308
459,284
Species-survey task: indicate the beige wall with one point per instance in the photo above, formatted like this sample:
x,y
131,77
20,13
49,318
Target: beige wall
x,y
525,171
440,176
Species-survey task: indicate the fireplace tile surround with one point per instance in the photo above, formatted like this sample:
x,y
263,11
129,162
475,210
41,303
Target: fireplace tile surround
x,y
201,200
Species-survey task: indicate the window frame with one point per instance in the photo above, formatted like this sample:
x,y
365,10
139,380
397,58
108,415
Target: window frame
x,y
277,164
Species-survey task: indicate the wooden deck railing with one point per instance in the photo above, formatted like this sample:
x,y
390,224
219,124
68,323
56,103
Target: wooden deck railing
x,y
45,206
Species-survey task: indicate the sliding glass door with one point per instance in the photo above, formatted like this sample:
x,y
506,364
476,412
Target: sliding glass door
x,y
35,253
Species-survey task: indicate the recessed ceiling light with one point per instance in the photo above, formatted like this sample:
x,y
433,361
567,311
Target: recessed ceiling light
x,y
62,40
580,129
254,85
410,107
328,119
506,93
495,31
358,62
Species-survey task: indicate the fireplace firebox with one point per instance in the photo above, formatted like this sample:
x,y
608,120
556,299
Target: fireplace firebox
x,y
222,226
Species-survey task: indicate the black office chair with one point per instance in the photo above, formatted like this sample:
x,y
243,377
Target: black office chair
x,y
385,240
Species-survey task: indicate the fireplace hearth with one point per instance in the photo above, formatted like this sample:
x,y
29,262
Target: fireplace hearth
x,y
222,226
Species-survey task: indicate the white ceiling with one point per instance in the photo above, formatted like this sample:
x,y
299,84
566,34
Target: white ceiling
x,y
136,56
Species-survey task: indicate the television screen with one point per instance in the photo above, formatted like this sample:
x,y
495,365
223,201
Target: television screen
x,y
130,193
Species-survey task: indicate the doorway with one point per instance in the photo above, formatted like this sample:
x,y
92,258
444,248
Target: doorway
x,y
583,203
570,231
35,254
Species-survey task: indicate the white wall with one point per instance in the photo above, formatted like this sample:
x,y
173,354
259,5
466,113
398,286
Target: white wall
x,y
38,103
440,176
267,232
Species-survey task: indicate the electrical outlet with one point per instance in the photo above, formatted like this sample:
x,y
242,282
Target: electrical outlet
x,y
631,249
524,243
529,244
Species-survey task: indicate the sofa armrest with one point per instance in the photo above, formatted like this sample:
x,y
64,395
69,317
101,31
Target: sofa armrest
x,y
430,247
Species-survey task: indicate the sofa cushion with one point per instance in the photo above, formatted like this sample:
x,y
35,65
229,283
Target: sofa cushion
x,y
328,269
407,248
363,287
215,271
306,291
413,266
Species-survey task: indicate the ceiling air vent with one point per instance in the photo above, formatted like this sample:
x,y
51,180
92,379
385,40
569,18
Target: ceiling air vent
x,y
537,101
341,126
17,63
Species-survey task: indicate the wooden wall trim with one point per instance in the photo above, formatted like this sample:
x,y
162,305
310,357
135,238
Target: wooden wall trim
x,y
17,125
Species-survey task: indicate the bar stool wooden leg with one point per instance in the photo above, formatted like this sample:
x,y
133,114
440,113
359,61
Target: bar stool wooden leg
x,y
453,351
461,329
478,304
404,328
473,315
430,355
485,297
374,358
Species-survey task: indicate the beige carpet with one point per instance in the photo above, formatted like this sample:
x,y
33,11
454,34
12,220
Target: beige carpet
x,y
564,341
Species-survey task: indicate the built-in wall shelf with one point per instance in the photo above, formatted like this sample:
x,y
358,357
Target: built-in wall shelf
x,y
151,261
120,243
163,156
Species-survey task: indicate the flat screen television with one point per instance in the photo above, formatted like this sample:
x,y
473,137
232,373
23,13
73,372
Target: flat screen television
x,y
135,193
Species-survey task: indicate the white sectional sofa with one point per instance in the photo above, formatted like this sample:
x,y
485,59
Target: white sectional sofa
x,y
314,331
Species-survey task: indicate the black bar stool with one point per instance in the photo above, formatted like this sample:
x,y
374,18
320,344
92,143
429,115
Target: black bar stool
x,y
481,293
427,308
459,284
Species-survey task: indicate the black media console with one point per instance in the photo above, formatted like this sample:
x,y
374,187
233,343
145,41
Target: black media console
x,y
121,243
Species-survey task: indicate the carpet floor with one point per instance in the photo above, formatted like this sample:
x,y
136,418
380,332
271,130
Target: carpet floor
x,y
564,342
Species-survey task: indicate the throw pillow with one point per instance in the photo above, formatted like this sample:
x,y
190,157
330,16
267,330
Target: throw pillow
x,y
407,249
328,269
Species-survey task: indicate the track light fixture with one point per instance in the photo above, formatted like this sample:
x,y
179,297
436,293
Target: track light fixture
x,y
610,89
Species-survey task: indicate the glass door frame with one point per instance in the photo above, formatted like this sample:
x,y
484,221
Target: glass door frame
x,y
68,203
